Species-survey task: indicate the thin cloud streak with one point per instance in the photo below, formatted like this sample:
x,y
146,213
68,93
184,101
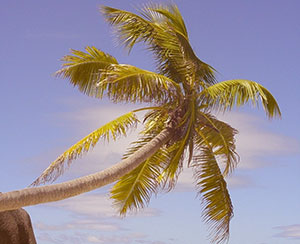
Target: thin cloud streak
x,y
86,224
98,206
288,231
87,238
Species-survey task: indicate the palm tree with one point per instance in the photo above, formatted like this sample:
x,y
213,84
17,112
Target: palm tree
x,y
179,127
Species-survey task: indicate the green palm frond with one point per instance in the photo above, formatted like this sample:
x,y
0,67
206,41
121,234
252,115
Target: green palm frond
x,y
131,84
164,32
220,137
169,176
130,28
83,69
113,130
158,13
181,52
218,208
226,94
134,190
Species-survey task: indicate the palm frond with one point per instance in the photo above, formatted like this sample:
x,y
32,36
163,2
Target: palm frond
x,y
158,13
134,190
113,129
220,137
130,28
218,208
226,94
83,69
131,84
179,49
164,32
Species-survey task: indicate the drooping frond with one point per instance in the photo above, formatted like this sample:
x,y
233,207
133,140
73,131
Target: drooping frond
x,y
220,137
83,69
164,32
134,190
130,28
169,176
218,208
226,94
113,129
174,44
158,13
128,83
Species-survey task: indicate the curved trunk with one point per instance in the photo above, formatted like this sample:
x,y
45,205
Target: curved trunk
x,y
50,193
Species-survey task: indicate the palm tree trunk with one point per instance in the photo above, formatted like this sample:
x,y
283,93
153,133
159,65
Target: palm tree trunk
x,y
43,194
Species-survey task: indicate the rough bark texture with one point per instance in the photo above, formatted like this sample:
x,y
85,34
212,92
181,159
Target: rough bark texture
x,y
16,227
50,193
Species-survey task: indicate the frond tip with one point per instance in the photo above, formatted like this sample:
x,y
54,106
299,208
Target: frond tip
x,y
113,129
83,69
134,190
226,94
218,209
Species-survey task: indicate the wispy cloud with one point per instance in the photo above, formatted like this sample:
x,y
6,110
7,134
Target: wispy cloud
x,y
87,238
85,224
288,231
255,142
62,238
118,239
97,206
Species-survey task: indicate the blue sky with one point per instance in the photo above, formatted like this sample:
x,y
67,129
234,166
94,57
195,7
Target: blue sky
x,y
41,116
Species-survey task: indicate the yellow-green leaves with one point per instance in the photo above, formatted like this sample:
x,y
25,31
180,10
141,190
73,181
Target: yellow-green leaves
x,y
128,83
213,190
130,28
135,189
113,129
162,29
83,69
98,74
219,136
226,94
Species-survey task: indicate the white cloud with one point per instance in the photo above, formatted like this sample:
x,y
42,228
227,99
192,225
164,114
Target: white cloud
x,y
119,239
85,238
94,239
289,231
98,206
255,142
86,224
61,238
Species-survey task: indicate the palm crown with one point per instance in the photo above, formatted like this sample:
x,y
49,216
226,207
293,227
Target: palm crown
x,y
182,95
